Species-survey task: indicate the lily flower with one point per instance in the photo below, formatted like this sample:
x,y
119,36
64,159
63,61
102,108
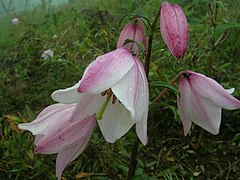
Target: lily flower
x,y
135,32
174,28
201,101
117,76
47,54
54,133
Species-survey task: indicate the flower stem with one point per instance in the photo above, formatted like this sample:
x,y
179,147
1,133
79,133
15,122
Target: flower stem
x,y
150,40
103,108
176,78
133,163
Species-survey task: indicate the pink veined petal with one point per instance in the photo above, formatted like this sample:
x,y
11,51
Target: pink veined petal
x,y
69,95
209,88
116,122
89,106
67,156
174,28
51,115
185,104
201,111
126,33
106,71
133,32
71,134
182,29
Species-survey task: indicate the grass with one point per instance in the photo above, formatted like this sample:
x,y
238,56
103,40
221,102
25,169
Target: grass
x,y
89,29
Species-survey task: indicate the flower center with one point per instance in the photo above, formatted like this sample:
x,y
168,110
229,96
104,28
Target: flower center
x,y
103,108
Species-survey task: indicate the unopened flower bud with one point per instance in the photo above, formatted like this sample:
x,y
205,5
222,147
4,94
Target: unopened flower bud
x,y
174,28
135,33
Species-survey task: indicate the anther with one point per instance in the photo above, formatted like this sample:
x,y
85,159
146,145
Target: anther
x,y
114,99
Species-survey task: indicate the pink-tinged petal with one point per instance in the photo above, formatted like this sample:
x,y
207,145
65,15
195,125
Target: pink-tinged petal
x,y
70,135
185,104
132,91
116,122
201,111
88,106
210,89
126,90
126,33
142,102
67,156
174,28
69,95
54,114
106,71
133,31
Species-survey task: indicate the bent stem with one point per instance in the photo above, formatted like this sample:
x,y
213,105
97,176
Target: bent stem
x,y
133,162
176,78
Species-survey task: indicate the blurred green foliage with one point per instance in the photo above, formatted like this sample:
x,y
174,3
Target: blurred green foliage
x,y
79,32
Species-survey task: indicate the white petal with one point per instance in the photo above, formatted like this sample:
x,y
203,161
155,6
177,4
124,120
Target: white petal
x,y
116,122
132,91
142,102
201,111
230,91
184,102
69,95
89,105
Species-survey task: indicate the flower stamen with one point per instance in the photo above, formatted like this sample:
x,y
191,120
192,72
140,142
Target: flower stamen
x,y
103,108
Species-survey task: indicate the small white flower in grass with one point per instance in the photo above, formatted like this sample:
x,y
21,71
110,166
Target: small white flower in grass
x,y
47,54
15,21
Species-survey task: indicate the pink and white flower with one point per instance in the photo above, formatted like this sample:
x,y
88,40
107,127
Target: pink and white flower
x,y
201,101
54,133
121,77
174,28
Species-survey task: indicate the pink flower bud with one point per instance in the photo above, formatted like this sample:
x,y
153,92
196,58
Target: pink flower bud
x,y
135,32
174,28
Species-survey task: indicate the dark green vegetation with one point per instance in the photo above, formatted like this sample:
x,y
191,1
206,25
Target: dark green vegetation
x,y
88,29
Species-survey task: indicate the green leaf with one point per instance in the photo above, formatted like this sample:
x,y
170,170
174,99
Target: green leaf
x,y
165,85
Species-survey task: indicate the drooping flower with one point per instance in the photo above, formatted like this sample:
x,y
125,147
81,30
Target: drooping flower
x,y
54,133
121,77
135,32
174,28
201,101
15,21
47,54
